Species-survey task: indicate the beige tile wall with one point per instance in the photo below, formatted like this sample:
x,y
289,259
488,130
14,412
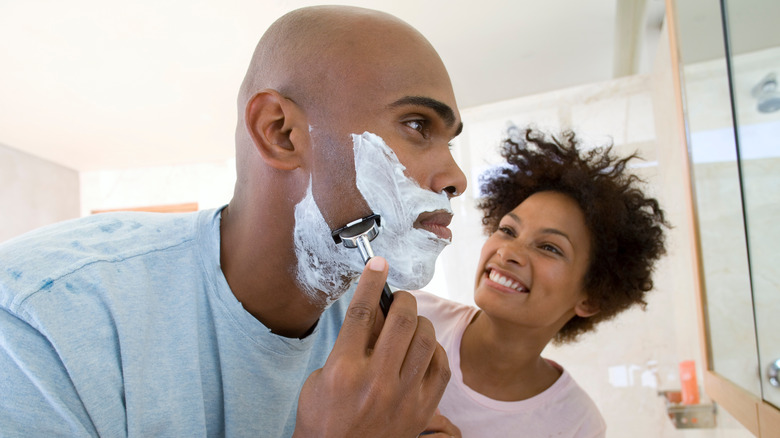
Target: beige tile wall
x,y
34,192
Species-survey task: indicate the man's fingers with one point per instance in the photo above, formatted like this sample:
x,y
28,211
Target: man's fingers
x,y
437,376
440,427
420,352
397,333
359,323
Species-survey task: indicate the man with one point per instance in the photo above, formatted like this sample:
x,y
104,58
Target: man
x,y
210,324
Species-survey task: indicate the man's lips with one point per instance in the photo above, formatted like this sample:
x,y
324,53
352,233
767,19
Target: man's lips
x,y
436,222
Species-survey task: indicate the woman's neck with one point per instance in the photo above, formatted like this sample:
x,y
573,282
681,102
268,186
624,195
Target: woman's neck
x,y
504,363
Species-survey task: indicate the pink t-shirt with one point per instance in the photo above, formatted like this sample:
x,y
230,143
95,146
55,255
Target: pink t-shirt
x,y
563,410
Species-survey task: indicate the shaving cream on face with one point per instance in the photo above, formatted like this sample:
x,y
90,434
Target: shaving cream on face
x,y
399,200
325,270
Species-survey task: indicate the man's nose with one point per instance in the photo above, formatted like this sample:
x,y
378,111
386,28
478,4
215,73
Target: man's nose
x,y
450,179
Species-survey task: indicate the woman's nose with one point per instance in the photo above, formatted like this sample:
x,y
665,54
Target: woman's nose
x,y
513,254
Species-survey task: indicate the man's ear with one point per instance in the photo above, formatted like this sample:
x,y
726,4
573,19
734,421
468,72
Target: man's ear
x,y
585,309
270,119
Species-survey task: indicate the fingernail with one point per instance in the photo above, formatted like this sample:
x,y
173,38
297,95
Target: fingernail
x,y
377,264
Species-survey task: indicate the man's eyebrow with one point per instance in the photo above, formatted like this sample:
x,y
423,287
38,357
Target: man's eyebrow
x,y
442,109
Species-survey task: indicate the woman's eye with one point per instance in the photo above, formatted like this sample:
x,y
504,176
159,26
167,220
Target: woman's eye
x,y
551,248
506,230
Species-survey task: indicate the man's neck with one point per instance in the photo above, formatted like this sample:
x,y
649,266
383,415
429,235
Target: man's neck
x,y
260,270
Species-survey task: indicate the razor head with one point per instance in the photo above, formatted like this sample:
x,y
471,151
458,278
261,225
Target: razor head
x,y
365,228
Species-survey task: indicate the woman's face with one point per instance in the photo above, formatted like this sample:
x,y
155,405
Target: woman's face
x,y
532,268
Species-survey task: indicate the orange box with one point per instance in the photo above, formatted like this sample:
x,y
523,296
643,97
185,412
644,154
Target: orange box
x,y
688,384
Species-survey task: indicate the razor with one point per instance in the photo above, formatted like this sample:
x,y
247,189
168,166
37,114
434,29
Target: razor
x,y
358,234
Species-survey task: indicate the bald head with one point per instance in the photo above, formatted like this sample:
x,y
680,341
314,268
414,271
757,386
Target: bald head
x,y
319,75
316,53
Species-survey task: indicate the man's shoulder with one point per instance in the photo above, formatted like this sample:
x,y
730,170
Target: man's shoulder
x,y
34,261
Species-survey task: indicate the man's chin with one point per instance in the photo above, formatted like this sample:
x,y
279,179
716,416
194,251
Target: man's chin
x,y
421,275
409,286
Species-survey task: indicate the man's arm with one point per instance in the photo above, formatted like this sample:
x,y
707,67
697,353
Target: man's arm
x,y
37,397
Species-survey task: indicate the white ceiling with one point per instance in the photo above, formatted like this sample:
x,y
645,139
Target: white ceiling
x,y
104,84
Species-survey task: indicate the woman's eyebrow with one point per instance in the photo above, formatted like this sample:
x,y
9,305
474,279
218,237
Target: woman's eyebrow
x,y
557,232
545,230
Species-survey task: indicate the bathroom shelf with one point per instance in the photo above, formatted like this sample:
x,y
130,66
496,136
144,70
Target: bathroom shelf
x,y
699,416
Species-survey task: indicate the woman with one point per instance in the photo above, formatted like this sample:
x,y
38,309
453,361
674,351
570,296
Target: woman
x,y
572,242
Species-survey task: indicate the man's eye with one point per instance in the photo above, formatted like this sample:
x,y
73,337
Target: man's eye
x,y
419,126
415,124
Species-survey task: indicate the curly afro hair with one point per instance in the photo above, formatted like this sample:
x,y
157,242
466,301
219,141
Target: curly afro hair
x,y
626,226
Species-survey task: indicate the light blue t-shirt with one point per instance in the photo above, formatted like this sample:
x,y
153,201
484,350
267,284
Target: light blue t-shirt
x,y
122,324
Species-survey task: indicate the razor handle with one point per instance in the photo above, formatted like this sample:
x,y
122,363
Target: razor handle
x,y
358,234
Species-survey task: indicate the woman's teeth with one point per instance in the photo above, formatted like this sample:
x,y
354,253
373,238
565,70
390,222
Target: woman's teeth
x,y
506,282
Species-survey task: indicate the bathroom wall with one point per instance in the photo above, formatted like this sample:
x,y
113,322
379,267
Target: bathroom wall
x,y
207,184
34,192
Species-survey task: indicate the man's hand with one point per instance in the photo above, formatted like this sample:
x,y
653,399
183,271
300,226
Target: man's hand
x,y
382,379
440,427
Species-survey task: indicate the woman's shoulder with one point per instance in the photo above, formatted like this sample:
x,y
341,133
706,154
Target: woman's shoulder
x,y
569,397
427,299
439,309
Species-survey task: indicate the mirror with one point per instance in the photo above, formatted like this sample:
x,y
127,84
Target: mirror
x,y
754,55
718,193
